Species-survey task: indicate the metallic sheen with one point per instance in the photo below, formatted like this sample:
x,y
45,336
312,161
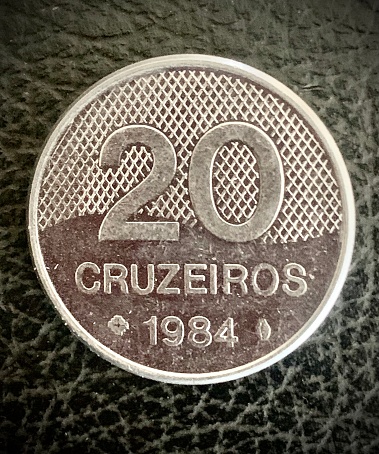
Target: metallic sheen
x,y
191,219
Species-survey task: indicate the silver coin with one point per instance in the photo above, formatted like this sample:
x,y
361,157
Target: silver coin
x,y
191,219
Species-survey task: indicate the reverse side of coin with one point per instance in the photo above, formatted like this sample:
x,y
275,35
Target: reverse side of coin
x,y
191,219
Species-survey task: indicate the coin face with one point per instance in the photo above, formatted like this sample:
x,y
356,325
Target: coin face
x,y
191,219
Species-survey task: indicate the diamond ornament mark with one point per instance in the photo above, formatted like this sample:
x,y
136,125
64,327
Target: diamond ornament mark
x,y
118,325
209,214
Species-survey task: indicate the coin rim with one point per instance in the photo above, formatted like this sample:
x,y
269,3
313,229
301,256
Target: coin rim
x,y
347,235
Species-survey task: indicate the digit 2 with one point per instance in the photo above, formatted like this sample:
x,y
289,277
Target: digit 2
x,y
115,225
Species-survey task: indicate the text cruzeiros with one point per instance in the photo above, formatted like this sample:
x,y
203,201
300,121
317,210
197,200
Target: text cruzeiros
x,y
191,279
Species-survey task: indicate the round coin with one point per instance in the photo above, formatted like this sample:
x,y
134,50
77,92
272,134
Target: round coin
x,y
191,219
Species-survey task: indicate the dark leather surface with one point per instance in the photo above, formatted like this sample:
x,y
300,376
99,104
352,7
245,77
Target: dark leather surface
x,y
57,396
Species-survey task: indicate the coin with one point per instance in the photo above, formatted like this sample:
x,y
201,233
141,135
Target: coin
x,y
191,219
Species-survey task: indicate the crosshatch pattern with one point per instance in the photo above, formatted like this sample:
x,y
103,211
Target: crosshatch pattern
x,y
235,182
184,104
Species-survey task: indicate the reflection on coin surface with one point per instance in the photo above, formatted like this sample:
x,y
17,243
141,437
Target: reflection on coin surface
x,y
191,219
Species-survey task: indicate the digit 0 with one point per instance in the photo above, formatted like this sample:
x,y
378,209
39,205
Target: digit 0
x,y
271,181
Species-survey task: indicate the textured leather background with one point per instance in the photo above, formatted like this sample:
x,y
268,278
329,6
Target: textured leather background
x,y
57,396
